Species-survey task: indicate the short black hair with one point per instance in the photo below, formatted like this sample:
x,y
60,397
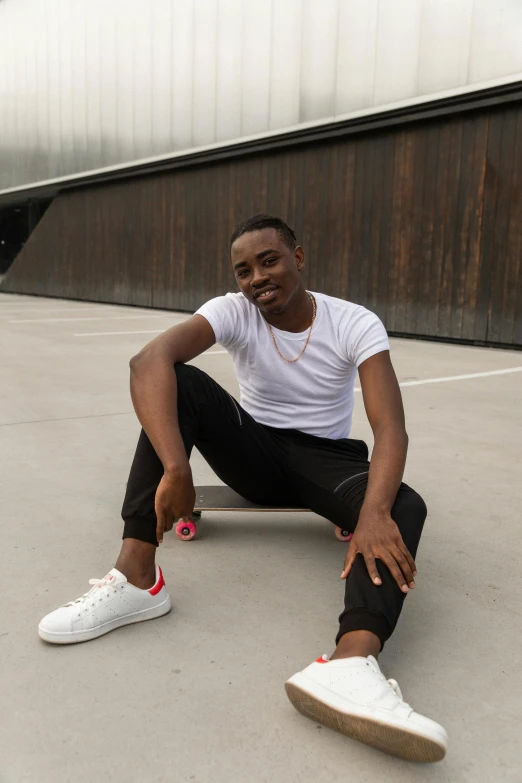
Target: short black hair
x,y
261,221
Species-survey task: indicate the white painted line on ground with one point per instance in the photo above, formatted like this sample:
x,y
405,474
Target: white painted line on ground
x,y
90,318
80,307
127,331
458,377
104,334
138,331
45,310
462,377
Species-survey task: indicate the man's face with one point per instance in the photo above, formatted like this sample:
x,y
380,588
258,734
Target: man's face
x,y
267,270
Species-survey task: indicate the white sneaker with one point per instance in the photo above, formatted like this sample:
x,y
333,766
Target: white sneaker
x,y
112,602
351,695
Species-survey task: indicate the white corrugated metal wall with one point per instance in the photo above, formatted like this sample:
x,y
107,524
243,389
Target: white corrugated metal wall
x,y
85,85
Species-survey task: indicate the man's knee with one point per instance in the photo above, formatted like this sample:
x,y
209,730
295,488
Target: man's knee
x,y
196,388
417,507
409,512
189,377
189,387
184,371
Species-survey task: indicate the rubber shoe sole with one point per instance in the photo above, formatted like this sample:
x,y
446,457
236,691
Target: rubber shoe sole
x,y
392,739
73,637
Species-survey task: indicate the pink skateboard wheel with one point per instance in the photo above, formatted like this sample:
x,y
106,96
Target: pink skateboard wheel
x,y
186,530
342,535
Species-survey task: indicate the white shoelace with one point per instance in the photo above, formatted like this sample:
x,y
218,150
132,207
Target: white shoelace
x,y
105,582
395,685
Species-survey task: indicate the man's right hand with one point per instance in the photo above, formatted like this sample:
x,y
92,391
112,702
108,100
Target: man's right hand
x,y
175,498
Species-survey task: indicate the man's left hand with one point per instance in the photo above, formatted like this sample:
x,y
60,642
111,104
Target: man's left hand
x,y
377,536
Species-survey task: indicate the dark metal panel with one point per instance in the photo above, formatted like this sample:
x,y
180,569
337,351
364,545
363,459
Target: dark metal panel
x,y
425,203
498,263
466,231
365,169
471,237
447,227
383,250
392,267
505,265
406,185
512,333
489,246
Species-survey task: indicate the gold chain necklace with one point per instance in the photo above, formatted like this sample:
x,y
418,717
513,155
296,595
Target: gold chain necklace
x,y
291,361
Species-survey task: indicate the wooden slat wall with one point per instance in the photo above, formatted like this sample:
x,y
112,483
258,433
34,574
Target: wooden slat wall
x,y
422,224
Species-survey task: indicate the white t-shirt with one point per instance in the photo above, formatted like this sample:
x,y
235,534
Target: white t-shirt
x,y
316,393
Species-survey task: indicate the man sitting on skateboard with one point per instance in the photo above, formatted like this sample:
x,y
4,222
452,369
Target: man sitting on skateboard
x,y
296,354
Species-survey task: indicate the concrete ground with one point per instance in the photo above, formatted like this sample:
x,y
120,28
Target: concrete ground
x,y
198,695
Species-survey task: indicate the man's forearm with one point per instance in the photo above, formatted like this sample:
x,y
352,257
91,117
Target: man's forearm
x,y
154,393
386,467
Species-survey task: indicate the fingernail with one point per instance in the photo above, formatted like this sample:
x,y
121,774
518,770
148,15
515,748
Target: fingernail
x,y
412,585
405,588
377,581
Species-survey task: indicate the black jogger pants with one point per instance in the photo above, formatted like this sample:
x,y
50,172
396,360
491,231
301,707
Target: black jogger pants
x,y
278,467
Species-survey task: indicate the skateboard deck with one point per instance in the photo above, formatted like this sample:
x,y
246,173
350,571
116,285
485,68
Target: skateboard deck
x,y
221,498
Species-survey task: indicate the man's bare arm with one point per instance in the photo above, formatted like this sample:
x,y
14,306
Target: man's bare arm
x,y
376,534
154,388
154,394
383,404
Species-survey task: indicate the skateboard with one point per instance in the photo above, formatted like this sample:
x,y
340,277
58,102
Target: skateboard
x,y
221,498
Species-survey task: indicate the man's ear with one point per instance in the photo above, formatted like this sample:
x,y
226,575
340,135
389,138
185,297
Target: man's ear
x,y
299,258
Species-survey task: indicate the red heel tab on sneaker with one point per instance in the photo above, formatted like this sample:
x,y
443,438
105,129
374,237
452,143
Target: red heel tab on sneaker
x,y
159,583
322,659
